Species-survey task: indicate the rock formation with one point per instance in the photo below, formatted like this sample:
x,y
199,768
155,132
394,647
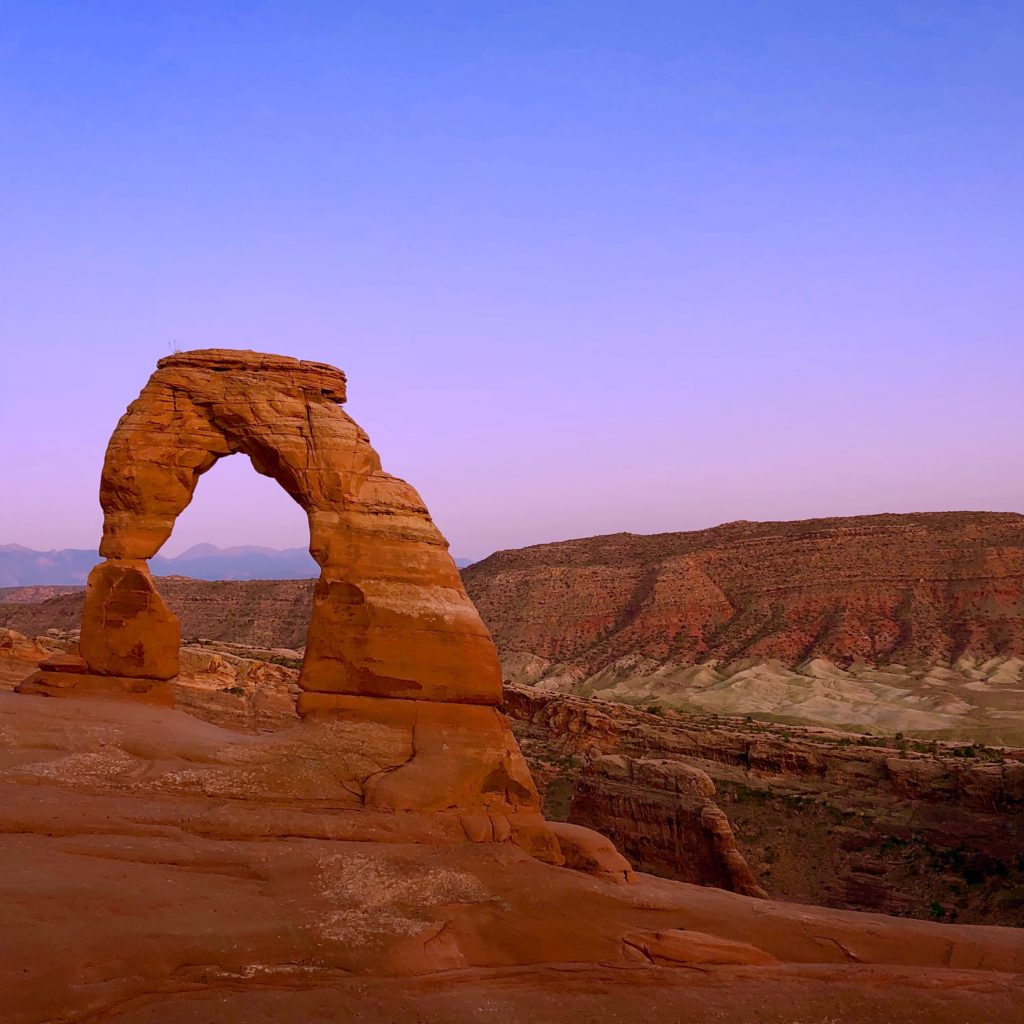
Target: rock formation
x,y
394,643
920,829
383,856
390,617
886,588
898,623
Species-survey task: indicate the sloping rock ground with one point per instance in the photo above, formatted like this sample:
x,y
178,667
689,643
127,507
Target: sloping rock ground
x,y
253,690
161,869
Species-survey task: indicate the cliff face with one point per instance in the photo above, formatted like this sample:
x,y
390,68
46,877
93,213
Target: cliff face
x,y
891,623
905,589
660,808
909,828
908,590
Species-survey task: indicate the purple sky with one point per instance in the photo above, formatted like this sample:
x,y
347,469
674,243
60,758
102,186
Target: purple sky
x,y
589,266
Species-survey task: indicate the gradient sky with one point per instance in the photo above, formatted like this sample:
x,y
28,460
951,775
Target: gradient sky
x,y
589,266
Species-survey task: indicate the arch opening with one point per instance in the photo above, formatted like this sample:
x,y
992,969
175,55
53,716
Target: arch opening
x,y
236,509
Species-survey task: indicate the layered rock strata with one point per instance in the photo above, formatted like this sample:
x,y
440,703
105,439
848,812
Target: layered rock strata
x,y
923,588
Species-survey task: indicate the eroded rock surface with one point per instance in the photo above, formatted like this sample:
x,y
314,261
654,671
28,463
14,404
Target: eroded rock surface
x,y
157,869
797,619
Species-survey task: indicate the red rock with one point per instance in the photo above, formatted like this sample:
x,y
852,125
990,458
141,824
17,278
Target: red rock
x,y
808,814
127,630
399,676
919,588
587,850
390,616
64,663
671,946
19,657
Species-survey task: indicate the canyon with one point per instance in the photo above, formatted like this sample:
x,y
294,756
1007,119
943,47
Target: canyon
x,y
888,623
885,624
931,830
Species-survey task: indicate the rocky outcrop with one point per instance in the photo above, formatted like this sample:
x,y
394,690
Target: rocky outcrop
x,y
923,829
909,623
254,690
383,853
20,656
390,617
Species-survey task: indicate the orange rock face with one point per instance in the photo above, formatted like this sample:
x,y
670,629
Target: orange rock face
x,y
390,616
127,630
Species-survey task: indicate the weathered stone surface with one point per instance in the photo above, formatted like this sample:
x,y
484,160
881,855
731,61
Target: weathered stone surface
x,y
90,684
671,947
588,759
397,662
156,869
390,616
587,850
19,657
813,815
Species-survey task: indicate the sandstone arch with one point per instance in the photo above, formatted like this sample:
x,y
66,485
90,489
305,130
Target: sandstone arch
x,y
400,678
390,616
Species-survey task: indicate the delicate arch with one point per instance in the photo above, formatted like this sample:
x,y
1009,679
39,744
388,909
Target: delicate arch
x,y
390,616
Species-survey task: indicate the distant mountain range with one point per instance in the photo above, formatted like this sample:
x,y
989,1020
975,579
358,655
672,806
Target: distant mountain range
x,y
21,566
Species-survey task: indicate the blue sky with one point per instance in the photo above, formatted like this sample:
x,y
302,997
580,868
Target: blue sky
x,y
589,266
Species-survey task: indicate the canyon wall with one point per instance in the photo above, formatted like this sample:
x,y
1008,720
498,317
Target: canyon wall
x,y
931,830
